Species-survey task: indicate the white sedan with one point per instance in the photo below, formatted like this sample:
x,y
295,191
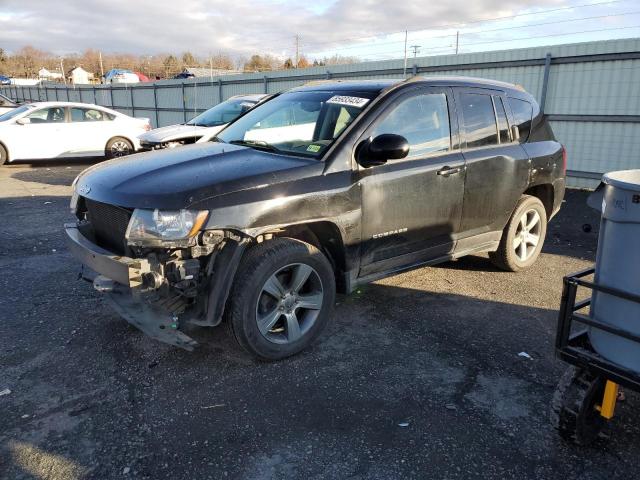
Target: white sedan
x,y
65,129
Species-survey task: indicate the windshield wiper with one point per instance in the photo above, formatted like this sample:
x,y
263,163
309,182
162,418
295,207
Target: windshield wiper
x,y
259,144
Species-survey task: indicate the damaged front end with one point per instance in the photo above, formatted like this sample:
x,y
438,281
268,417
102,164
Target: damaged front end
x,y
156,282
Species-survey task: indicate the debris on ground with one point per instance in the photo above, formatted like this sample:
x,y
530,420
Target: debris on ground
x,y
403,424
6,391
525,355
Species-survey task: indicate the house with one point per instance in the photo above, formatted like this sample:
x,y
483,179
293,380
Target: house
x,y
45,74
79,75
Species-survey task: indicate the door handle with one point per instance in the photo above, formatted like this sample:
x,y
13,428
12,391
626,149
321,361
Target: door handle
x,y
446,171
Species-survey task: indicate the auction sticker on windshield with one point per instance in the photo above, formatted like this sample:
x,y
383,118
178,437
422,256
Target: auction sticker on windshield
x,y
347,100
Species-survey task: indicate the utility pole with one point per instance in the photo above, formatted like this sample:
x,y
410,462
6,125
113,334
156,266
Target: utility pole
x,y
297,50
64,77
404,71
101,66
415,50
457,40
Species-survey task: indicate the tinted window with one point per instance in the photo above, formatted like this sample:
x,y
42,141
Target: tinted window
x,y
479,120
503,126
222,113
423,120
522,112
47,115
86,115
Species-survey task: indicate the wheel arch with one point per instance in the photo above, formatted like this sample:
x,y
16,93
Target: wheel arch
x,y
6,149
545,193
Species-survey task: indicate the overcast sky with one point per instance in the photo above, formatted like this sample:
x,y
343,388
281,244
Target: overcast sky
x,y
363,28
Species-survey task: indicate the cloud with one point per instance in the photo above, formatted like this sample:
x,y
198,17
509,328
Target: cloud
x,y
236,27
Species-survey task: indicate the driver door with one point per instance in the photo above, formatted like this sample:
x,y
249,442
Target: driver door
x,y
44,136
412,207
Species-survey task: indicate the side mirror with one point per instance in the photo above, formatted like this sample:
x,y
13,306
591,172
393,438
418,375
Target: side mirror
x,y
387,146
23,121
515,133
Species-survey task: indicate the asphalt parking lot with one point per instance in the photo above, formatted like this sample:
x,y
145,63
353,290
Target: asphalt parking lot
x,y
418,376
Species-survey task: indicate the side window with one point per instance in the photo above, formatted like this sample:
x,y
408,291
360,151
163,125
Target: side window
x,y
423,120
503,126
85,115
479,120
47,115
522,113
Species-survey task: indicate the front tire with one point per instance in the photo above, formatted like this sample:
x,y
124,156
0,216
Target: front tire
x,y
118,147
4,155
522,237
282,298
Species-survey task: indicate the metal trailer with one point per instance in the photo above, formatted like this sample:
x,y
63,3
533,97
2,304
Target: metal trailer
x,y
587,393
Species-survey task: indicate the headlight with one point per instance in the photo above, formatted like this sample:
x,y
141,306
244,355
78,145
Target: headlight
x,y
73,204
159,227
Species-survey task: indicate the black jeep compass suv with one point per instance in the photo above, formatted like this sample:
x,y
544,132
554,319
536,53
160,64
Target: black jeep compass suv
x,y
320,188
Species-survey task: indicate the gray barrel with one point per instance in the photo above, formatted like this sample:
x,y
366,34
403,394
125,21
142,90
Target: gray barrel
x,y
618,266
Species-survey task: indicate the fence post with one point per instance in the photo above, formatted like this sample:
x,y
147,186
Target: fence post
x,y
95,98
111,94
266,86
184,105
219,90
545,82
155,104
328,75
415,69
56,90
133,107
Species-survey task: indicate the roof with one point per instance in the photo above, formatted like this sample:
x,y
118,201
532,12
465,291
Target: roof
x,y
208,72
380,85
69,104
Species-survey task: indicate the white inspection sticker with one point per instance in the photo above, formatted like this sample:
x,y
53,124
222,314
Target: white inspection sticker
x,y
347,100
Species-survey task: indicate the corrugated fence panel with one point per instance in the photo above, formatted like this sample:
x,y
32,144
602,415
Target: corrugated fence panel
x,y
580,84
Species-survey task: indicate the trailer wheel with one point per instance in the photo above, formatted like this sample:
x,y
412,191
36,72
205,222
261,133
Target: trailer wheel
x,y
573,409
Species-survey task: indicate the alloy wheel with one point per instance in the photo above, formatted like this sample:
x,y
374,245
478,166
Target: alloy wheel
x,y
120,149
289,303
527,236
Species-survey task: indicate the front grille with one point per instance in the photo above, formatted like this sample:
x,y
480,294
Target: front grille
x,y
109,224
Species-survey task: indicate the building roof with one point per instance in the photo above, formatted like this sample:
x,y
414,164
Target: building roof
x,y
208,72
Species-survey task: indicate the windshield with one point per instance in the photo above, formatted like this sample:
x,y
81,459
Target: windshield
x,y
222,113
300,123
15,112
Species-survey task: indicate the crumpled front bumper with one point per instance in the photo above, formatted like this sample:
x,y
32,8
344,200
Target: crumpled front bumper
x,y
119,278
124,270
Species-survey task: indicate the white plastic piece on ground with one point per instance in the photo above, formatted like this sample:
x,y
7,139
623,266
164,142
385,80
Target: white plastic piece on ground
x,y
6,391
525,355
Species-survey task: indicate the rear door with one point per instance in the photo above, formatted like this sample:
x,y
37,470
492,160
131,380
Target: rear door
x,y
411,208
91,131
497,166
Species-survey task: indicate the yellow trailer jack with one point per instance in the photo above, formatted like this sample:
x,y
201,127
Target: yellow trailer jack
x,y
609,400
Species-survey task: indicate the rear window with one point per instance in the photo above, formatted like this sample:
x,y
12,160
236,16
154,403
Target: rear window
x,y
479,120
522,113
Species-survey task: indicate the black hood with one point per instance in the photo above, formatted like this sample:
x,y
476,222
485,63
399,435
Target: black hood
x,y
177,178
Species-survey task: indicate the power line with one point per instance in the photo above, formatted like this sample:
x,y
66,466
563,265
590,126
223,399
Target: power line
x,y
477,32
472,22
390,52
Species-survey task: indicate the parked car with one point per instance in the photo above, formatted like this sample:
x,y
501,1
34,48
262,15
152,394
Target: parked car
x,y
120,75
202,127
261,226
4,80
66,129
6,104
183,76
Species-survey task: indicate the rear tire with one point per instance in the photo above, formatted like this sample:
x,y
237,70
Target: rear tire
x,y
573,409
282,298
118,147
522,237
4,155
